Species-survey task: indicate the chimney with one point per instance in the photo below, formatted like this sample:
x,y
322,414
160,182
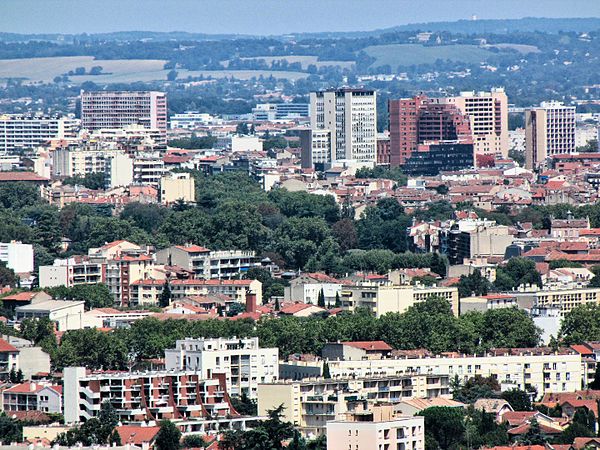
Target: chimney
x,y
250,302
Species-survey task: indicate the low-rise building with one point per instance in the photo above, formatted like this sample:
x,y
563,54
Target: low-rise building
x,y
243,362
376,428
32,397
307,288
68,315
70,272
177,186
310,404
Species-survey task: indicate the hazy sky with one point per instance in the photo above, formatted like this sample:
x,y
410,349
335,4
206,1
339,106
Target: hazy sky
x,y
264,16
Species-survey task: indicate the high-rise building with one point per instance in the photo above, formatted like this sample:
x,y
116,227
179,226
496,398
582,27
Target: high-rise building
x,y
351,116
549,130
488,114
118,109
315,148
25,132
417,120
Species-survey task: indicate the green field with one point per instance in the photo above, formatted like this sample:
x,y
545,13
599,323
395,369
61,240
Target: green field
x,y
34,70
414,54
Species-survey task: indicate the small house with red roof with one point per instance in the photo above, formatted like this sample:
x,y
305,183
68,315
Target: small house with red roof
x,y
307,287
138,435
32,397
24,298
355,350
9,358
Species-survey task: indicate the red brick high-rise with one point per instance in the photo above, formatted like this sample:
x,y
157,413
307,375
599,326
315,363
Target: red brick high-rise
x,y
416,120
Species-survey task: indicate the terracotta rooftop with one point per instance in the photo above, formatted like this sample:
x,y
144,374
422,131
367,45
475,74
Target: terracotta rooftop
x,y
5,347
137,435
369,345
21,176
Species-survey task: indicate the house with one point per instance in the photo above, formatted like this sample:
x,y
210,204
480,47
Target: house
x,y
520,423
140,436
307,287
301,310
357,350
495,406
24,298
32,397
413,406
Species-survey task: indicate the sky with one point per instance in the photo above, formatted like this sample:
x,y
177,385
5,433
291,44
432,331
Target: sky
x,y
265,17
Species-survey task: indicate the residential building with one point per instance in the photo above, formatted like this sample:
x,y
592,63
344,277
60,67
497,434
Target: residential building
x,y
308,286
118,109
24,298
316,150
9,358
214,265
191,120
540,368
148,170
355,350
17,256
243,362
351,116
70,272
124,270
28,132
564,300
244,144
32,396
549,131
177,186
311,404
488,114
22,355
383,299
376,428
272,112
68,315
147,291
193,403
112,318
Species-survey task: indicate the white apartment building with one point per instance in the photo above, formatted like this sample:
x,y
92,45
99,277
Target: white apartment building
x,y
538,368
243,362
378,428
32,397
27,132
148,170
351,117
563,300
245,144
311,404
17,256
488,114
549,130
118,109
212,265
192,120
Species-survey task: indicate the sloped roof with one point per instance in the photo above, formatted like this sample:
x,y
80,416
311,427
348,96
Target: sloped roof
x,y
132,434
368,345
5,347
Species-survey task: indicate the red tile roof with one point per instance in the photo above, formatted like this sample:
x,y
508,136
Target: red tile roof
x,y
21,176
137,435
517,417
369,345
20,297
193,248
5,347
582,349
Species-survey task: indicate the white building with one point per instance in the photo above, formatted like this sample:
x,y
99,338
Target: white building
x,y
68,315
246,144
148,170
549,130
377,428
32,397
244,363
351,116
70,272
316,149
27,132
192,120
17,256
117,109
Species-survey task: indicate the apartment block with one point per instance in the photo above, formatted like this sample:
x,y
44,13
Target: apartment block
x,y
280,111
565,300
213,265
540,368
378,427
32,397
351,117
549,131
147,291
28,132
311,404
149,170
177,186
142,396
118,109
17,256
488,115
383,299
316,149
9,359
243,362
124,270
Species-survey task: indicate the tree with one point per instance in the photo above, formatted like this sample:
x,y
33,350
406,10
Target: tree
x,y
7,276
94,295
581,324
595,384
10,430
517,272
473,284
475,388
444,425
168,436
172,75
244,405
321,299
326,372
338,302
518,399
194,441
165,295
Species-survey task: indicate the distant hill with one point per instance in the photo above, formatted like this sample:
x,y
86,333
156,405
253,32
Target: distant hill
x,y
491,26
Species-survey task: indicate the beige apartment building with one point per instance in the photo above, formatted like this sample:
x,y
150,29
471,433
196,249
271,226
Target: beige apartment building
x,y
310,404
549,130
538,368
488,114
377,428
383,299
177,186
566,299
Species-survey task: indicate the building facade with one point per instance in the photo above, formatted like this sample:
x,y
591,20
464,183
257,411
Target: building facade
x,y
118,109
27,132
549,131
17,256
243,362
351,116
